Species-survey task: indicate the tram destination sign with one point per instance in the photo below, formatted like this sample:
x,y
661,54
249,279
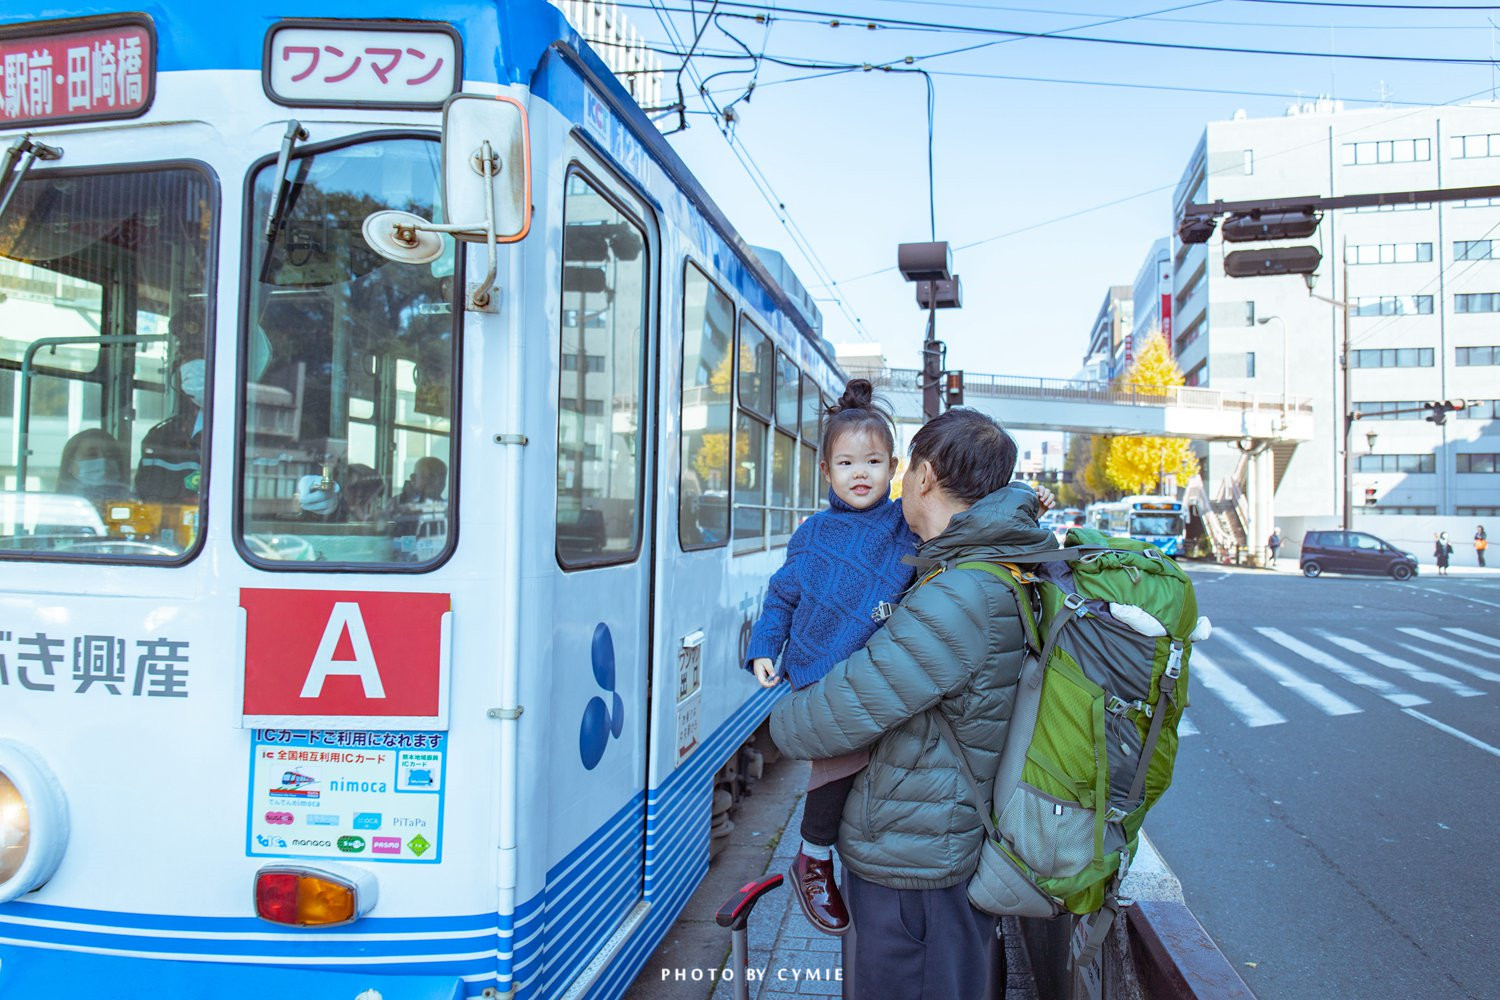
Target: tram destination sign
x,y
76,70
362,64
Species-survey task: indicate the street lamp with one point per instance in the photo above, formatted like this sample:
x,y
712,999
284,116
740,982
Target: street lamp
x,y
930,266
1263,321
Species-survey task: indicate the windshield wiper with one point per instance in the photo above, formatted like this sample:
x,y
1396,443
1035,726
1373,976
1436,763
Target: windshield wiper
x,y
31,151
294,133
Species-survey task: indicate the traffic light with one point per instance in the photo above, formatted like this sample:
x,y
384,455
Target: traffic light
x,y
1438,409
1272,260
1196,228
1252,226
953,389
1370,496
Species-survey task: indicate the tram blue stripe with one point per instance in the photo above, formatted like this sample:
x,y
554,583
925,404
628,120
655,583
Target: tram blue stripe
x,y
299,949
121,919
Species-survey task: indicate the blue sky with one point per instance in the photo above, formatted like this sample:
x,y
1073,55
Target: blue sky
x,y
1055,160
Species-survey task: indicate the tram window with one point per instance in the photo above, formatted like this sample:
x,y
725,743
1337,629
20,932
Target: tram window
x,y
708,331
599,459
783,486
749,483
807,481
347,446
811,410
787,381
104,286
755,369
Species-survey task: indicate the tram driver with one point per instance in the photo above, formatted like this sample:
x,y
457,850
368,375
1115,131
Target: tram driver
x,y
170,469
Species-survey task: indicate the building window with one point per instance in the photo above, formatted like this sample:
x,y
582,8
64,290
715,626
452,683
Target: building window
x,y
1481,409
1476,462
1473,147
1389,253
1473,249
1477,203
1396,463
1198,375
1392,357
1481,511
1249,162
1414,206
1249,364
1477,302
1382,410
1387,151
1394,305
1428,509
1473,357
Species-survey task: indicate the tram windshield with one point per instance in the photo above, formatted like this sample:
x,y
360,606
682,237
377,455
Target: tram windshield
x,y
103,362
1156,524
347,451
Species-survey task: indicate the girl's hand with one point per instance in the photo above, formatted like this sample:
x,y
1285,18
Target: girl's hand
x,y
1048,500
765,672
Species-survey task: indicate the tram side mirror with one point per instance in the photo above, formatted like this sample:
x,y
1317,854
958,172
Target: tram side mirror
x,y
486,190
486,168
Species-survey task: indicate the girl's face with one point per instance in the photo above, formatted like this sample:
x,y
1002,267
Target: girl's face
x,y
859,467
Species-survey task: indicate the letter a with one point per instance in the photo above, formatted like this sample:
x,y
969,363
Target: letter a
x,y
345,616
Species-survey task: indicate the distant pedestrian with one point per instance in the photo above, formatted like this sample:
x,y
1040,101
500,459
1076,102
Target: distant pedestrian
x,y
1481,542
1441,550
1273,543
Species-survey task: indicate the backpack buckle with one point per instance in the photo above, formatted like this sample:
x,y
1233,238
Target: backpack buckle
x,y
882,611
1075,604
1174,662
1114,814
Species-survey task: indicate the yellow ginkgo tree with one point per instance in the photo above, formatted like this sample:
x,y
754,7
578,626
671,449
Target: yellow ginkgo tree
x,y
1139,464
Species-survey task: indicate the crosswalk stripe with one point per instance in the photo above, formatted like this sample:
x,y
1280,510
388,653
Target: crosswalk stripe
x,y
1351,674
1234,694
1412,670
1455,732
1474,636
1185,727
1314,692
1443,640
1468,668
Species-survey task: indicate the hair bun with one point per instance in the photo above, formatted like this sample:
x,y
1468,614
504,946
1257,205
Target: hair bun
x,y
858,395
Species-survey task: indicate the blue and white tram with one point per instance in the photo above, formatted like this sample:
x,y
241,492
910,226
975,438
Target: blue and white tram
x,y
1160,520
368,620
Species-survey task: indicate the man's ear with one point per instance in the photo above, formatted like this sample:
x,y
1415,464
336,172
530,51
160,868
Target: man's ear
x,y
926,478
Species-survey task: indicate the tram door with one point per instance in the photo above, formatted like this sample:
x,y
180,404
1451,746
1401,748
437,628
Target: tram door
x,y
603,585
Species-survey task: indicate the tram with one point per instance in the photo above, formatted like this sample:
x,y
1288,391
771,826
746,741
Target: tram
x,y
395,443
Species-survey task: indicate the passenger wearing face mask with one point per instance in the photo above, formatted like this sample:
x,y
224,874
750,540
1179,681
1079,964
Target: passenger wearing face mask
x,y
93,466
172,452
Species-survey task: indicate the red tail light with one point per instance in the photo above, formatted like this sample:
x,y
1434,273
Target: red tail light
x,y
299,896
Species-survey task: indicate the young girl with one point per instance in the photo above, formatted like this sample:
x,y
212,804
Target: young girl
x,y
842,564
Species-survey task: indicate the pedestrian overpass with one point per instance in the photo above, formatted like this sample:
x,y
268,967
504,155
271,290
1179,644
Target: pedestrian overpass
x,y
1266,429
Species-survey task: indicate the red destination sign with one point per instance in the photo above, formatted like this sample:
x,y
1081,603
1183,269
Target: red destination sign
x,y
47,75
345,659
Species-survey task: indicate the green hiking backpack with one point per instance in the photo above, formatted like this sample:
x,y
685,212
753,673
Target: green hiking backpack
x,y
1093,734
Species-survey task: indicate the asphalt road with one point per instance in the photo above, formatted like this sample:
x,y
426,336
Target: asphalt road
x,y
1334,817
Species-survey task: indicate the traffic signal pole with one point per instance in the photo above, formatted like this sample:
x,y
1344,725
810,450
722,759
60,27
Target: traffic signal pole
x,y
1344,361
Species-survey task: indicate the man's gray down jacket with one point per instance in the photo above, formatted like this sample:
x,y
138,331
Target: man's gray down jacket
x,y
955,645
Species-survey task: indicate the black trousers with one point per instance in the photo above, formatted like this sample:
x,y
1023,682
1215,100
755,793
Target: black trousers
x,y
918,944
823,809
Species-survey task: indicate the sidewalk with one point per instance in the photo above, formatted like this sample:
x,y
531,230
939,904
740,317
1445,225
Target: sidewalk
x,y
795,961
789,958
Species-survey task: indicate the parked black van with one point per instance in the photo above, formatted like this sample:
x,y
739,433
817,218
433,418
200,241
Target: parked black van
x,y
1354,552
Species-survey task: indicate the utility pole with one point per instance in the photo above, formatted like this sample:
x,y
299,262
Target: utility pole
x,y
930,266
1344,361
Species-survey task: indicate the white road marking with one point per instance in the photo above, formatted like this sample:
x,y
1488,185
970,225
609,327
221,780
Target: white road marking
x,y
1461,597
1234,694
1443,640
1185,727
1474,637
1351,674
1410,669
1330,703
1468,668
1453,732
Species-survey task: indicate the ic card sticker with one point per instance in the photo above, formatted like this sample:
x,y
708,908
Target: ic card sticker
x,y
347,794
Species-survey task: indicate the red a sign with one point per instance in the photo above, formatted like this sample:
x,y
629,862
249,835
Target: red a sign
x,y
329,659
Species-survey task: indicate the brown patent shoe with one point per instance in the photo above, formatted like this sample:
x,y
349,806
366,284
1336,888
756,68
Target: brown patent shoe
x,y
815,889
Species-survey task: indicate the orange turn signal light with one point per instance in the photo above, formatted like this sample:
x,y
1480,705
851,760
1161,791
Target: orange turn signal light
x,y
307,897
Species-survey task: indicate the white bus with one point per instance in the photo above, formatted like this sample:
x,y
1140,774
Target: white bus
x,y
1160,520
373,591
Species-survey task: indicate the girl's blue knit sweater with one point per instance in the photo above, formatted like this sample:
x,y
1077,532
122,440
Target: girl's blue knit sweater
x,y
840,564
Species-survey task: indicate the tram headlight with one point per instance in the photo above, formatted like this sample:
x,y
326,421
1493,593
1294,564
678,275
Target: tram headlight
x,y
33,821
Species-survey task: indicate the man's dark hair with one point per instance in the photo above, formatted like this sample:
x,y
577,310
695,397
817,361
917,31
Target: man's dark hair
x,y
971,454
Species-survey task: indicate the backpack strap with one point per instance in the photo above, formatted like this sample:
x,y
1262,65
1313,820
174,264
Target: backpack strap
x,y
1008,577
1164,688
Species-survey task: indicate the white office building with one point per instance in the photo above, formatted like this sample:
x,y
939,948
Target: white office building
x,y
1422,290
